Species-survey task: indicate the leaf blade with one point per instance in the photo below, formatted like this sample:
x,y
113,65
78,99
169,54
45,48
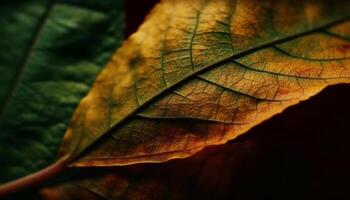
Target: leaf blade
x,y
149,88
74,41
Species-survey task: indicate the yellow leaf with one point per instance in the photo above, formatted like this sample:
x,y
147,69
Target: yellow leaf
x,y
202,72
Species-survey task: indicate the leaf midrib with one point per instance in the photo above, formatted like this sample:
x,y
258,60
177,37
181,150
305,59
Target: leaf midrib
x,y
24,61
78,153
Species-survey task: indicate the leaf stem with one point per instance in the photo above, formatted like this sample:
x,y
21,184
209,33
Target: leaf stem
x,y
33,179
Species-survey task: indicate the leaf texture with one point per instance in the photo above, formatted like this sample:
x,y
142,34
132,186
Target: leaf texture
x,y
51,53
202,72
300,153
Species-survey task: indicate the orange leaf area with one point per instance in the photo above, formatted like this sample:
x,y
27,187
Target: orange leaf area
x,y
300,153
201,73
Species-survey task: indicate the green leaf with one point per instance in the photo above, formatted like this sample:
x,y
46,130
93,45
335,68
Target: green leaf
x,y
51,53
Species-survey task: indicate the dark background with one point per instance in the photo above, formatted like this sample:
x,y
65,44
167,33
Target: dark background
x,y
303,152
136,11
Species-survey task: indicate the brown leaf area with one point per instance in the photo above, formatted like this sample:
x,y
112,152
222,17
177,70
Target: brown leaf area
x,y
202,72
300,154
213,71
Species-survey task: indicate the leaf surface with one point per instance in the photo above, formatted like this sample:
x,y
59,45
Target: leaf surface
x,y
199,73
51,53
275,158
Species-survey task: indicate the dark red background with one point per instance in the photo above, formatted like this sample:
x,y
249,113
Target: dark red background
x,y
136,10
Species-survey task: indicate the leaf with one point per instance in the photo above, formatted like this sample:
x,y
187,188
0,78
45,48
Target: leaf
x,y
200,73
273,159
51,53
